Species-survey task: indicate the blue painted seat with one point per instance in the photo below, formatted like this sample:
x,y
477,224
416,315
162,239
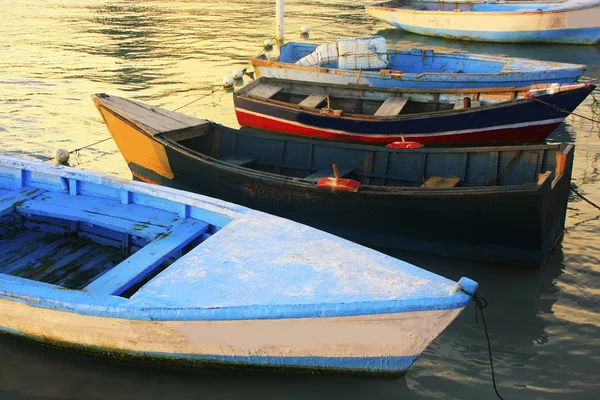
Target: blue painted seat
x,y
132,219
145,260
11,198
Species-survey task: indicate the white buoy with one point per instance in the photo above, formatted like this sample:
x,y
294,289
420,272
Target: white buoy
x,y
304,29
268,44
228,82
238,74
60,155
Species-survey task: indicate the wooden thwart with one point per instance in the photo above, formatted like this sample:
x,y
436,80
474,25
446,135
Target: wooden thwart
x,y
391,106
328,172
145,260
313,101
441,181
118,224
9,200
264,90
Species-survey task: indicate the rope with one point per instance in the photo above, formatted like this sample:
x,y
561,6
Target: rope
x,y
480,304
487,183
531,97
81,148
199,98
584,198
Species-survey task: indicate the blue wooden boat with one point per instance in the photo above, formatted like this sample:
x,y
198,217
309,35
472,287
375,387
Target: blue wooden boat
x,y
127,269
382,115
569,22
416,68
500,203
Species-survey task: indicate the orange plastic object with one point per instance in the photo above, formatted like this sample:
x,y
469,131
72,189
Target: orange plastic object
x,y
338,183
405,145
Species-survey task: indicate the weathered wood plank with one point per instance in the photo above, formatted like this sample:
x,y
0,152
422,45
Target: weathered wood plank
x,y
141,263
391,106
313,101
153,119
132,227
189,133
10,199
114,208
441,181
264,90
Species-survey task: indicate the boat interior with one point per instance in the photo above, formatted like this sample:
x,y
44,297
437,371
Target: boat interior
x,y
80,235
374,103
414,61
376,168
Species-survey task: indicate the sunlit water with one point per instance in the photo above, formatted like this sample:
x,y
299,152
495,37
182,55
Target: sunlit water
x,y
544,323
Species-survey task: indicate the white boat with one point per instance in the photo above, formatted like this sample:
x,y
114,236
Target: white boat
x,y
133,270
570,22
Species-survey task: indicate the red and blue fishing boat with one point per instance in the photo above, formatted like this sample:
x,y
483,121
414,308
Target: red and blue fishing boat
x,y
364,114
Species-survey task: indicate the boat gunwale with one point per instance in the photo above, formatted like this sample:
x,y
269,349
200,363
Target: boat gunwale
x,y
46,296
283,65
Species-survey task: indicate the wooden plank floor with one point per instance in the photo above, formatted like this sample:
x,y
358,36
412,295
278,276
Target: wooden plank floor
x,y
69,262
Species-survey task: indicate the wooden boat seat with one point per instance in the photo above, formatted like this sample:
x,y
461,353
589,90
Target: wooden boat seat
x,y
132,219
264,90
313,101
441,181
239,161
10,199
144,261
328,172
460,104
391,106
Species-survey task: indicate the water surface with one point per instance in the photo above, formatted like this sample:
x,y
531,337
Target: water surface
x,y
544,323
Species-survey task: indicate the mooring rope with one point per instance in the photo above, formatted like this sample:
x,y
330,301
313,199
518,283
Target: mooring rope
x,y
532,97
480,304
199,98
487,183
596,206
81,148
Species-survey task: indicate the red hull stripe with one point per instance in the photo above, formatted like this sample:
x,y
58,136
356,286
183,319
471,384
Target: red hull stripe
x,y
530,131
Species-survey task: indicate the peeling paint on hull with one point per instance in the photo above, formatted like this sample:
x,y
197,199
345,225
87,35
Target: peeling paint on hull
x,y
558,24
386,343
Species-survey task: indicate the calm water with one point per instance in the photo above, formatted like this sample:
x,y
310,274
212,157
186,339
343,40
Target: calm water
x,y
544,323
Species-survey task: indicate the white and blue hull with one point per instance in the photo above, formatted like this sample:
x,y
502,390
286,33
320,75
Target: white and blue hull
x,y
377,343
131,270
577,24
